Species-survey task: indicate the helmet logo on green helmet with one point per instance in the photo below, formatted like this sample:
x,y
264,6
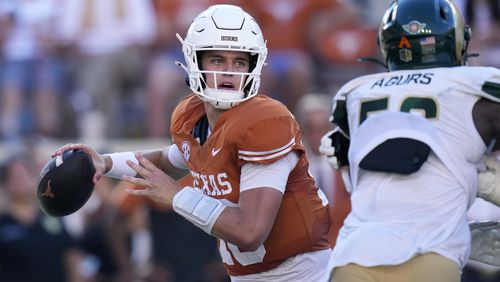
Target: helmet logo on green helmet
x,y
414,27
405,55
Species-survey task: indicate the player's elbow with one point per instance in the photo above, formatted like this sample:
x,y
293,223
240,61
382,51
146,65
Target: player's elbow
x,y
251,243
251,240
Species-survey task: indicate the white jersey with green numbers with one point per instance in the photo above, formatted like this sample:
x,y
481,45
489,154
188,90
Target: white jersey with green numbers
x,y
396,216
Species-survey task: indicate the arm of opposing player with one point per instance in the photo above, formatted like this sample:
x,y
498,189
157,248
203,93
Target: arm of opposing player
x,y
488,186
487,123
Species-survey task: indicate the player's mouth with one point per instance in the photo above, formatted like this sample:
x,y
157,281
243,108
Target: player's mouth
x,y
226,86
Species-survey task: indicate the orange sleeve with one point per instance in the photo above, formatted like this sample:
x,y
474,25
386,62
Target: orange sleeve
x,y
268,140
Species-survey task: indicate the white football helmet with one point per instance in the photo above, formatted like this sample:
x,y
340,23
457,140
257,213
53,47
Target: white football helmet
x,y
228,28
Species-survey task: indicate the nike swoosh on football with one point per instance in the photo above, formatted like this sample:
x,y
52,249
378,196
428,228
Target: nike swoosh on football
x,y
215,152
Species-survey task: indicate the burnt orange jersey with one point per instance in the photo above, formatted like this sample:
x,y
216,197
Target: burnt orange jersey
x,y
260,130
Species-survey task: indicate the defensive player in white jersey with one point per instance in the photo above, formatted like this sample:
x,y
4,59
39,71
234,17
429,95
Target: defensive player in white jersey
x,y
413,139
249,184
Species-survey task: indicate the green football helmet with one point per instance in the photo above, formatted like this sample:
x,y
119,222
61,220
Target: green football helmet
x,y
417,34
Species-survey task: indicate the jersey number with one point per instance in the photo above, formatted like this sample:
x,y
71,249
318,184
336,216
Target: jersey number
x,y
428,106
243,258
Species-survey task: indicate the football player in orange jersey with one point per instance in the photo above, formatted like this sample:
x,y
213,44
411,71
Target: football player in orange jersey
x,y
248,182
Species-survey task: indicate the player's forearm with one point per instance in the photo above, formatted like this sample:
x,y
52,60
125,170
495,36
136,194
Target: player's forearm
x,y
248,225
115,163
155,156
166,165
243,231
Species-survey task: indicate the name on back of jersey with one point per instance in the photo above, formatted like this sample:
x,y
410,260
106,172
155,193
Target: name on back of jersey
x,y
404,79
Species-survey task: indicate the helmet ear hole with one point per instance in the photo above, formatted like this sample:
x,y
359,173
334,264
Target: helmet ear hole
x,y
467,38
442,13
467,33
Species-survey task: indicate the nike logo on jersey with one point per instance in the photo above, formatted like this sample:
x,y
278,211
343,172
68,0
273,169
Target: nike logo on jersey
x,y
215,152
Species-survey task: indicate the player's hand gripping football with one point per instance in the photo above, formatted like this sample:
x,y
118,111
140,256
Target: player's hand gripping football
x,y
485,246
335,145
98,159
157,185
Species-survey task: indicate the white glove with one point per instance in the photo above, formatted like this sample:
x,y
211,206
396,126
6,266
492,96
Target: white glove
x,y
488,186
326,148
485,243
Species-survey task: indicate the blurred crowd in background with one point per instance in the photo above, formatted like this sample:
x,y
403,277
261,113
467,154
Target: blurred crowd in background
x,y
77,69
103,71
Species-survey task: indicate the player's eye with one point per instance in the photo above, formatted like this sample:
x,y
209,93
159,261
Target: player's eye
x,y
217,61
241,63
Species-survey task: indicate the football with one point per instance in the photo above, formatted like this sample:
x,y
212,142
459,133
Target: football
x,y
65,183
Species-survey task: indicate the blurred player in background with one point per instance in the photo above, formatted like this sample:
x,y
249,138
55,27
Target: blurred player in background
x,y
413,139
249,184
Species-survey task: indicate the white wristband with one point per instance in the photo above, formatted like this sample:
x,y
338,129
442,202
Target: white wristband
x,y
200,209
120,166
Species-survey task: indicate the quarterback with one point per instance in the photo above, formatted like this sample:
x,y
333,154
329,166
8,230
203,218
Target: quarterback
x,y
248,182
414,139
